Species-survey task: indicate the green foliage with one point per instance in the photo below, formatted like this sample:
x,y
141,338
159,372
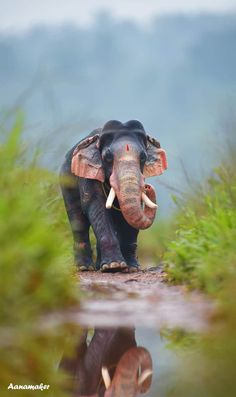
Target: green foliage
x,y
36,279
203,251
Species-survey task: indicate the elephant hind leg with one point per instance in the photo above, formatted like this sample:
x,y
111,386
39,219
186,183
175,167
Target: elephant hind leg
x,y
129,250
78,221
128,241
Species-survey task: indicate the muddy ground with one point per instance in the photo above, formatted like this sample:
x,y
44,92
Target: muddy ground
x,y
140,299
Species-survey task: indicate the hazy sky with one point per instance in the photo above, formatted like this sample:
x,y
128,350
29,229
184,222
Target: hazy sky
x,y
22,14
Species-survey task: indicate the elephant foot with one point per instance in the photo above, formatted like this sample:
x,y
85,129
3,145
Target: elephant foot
x,y
133,265
83,257
131,269
113,267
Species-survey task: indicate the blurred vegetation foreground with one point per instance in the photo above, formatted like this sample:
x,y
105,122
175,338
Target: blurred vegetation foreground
x,y
36,278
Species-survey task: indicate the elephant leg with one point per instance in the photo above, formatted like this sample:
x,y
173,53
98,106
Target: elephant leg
x,y
78,221
98,261
93,203
129,250
128,241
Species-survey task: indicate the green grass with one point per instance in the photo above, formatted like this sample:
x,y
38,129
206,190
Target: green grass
x,y
36,277
202,254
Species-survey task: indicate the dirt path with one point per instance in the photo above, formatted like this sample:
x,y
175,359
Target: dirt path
x,y
140,299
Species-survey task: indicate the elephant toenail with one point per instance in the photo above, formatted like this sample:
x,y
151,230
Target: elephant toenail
x,y
114,265
105,267
82,268
123,265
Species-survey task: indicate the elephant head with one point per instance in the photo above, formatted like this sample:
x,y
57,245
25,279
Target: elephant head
x,y
133,374
123,155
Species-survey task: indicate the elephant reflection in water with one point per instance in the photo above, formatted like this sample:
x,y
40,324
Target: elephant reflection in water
x,y
112,365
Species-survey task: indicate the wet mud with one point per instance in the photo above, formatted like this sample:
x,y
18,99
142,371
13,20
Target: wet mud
x,y
140,299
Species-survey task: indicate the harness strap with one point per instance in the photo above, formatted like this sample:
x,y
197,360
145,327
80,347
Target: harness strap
x,y
106,195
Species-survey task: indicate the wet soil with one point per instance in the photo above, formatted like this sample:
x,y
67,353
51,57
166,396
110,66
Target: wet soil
x,y
140,299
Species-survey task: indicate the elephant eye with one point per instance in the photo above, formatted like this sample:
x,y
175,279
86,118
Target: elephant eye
x,y
143,157
108,156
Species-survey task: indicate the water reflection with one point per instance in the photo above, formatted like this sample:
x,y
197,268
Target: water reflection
x,y
110,308
108,362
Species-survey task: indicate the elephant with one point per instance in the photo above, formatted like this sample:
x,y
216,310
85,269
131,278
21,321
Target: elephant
x,y
103,185
112,365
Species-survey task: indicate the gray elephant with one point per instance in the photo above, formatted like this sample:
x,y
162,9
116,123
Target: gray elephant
x,y
103,186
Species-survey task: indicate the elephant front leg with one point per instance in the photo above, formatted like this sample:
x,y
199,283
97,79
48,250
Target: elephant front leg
x,y
128,241
110,255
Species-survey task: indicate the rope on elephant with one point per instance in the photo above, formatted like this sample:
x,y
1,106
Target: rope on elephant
x,y
106,195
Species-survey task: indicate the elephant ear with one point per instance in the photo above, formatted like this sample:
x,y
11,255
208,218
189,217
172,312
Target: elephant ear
x,y
86,160
156,162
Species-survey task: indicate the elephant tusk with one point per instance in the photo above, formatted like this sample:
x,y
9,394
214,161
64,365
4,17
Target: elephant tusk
x,y
106,377
144,376
110,198
148,202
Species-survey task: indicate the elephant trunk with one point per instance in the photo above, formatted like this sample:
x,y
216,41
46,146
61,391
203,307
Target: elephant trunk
x,y
130,189
133,374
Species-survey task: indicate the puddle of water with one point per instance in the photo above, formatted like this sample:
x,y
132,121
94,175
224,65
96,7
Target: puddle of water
x,y
123,317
